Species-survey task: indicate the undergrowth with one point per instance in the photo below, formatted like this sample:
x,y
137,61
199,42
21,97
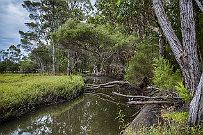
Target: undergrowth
x,y
175,123
166,78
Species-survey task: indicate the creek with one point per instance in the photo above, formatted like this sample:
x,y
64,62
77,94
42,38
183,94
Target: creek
x,y
89,114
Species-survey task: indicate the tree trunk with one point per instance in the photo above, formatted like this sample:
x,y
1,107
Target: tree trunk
x,y
186,54
53,59
196,106
167,29
173,40
189,43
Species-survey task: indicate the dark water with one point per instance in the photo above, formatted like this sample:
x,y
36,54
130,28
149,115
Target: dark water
x,y
86,115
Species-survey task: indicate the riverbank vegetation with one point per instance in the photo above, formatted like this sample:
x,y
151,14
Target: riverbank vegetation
x,y
146,42
22,93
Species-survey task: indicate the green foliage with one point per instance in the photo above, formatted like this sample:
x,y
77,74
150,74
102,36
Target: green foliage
x,y
128,13
179,117
183,92
20,90
164,76
166,79
141,63
121,120
103,35
94,44
8,66
27,66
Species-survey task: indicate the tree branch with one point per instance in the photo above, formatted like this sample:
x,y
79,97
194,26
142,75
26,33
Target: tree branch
x,y
199,5
148,102
105,85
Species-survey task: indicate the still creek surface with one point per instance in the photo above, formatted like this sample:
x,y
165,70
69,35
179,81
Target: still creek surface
x,y
86,115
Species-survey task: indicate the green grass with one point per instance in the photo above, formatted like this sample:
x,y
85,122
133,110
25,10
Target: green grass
x,y
171,129
20,91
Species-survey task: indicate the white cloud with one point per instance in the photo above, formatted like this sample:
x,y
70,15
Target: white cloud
x,y
12,19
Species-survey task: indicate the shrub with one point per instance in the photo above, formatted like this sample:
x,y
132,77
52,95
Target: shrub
x,y
179,117
183,92
166,79
164,76
140,65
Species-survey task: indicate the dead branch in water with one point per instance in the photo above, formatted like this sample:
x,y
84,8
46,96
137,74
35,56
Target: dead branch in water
x,y
149,102
106,85
147,97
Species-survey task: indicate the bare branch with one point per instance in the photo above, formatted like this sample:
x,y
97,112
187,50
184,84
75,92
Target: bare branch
x,y
148,102
147,97
106,85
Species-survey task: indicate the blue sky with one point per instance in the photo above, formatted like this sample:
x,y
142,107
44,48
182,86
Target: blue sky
x,y
12,19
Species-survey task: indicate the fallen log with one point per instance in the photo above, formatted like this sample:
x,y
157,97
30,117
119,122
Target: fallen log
x,y
147,97
106,85
148,102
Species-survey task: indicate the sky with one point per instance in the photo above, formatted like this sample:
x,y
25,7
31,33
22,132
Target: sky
x,y
12,19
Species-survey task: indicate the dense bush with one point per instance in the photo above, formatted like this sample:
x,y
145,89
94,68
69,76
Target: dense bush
x,y
8,66
27,66
164,76
167,79
140,65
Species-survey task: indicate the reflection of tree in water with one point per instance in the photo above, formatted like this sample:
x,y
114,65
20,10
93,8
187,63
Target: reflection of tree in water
x,y
91,117
39,127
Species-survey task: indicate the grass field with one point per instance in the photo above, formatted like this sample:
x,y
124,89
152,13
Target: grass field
x,y
19,93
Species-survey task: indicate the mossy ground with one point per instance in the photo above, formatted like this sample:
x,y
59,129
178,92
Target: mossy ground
x,y
20,93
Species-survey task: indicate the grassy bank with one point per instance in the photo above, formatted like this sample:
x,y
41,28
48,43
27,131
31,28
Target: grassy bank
x,y
168,129
22,93
175,123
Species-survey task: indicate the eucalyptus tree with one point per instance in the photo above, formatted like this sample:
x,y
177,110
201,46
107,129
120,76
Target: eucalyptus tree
x,y
33,36
42,58
185,52
48,15
135,15
14,53
99,43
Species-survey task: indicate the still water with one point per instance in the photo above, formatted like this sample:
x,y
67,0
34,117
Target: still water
x,y
86,115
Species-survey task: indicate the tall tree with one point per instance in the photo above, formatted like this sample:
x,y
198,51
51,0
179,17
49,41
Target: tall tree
x,y
185,52
48,15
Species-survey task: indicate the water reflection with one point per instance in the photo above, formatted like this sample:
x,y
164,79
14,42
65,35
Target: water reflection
x,y
88,115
